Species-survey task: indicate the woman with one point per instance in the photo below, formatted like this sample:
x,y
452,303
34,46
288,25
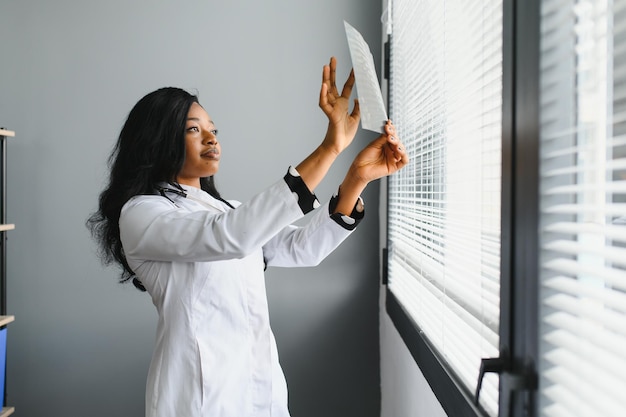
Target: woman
x,y
202,258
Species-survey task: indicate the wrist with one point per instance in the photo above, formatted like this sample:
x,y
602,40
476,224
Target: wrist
x,y
349,192
328,146
333,141
316,165
353,179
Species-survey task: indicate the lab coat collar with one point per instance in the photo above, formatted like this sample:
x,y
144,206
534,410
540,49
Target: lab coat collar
x,y
174,192
205,198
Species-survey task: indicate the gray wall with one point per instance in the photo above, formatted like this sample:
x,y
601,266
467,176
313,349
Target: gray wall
x,y
70,71
405,391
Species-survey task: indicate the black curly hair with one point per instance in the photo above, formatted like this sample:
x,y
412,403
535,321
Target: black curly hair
x,y
149,150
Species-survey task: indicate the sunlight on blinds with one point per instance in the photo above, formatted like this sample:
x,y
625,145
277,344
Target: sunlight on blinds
x,y
444,209
583,208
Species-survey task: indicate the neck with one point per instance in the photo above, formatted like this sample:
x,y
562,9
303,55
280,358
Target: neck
x,y
192,182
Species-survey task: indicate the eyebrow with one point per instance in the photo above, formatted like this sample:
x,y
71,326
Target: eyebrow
x,y
196,119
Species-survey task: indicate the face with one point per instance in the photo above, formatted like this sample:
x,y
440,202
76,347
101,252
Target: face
x,y
202,150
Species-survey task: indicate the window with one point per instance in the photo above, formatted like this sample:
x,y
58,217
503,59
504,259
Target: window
x,y
444,208
583,208
546,290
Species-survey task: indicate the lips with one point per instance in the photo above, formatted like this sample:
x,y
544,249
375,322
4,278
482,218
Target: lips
x,y
211,153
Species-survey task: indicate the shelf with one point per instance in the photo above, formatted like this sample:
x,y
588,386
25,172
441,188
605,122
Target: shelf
x,y
4,320
7,411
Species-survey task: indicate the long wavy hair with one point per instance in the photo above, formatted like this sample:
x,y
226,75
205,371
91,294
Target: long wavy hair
x,y
150,149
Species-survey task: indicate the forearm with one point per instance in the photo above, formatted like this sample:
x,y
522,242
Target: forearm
x,y
314,168
308,244
349,192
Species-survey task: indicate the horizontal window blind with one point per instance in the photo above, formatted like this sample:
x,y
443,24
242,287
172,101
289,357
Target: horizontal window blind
x,y
444,208
583,208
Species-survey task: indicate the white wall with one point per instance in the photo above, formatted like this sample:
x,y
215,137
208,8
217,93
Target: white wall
x,y
70,70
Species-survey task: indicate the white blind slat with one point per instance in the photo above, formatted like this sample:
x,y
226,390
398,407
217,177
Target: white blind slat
x,y
608,252
602,294
616,232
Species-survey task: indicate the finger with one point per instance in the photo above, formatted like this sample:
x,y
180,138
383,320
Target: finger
x,y
326,75
324,104
396,147
356,111
390,129
333,72
402,161
379,142
402,157
347,87
392,157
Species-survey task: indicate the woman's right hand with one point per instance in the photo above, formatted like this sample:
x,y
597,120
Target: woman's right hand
x,y
342,126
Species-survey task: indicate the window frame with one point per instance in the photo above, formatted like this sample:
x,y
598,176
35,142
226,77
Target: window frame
x,y
519,235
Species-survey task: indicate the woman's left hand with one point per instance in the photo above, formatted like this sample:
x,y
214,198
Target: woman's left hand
x,y
382,157
342,126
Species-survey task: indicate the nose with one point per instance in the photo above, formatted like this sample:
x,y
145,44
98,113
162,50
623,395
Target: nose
x,y
210,138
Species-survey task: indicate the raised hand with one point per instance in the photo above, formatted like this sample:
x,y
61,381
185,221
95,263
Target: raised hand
x,y
383,156
342,126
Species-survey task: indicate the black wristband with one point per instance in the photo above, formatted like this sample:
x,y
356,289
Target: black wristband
x,y
347,222
306,199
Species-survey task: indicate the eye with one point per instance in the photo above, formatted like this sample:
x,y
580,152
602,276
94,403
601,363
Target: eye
x,y
193,129
214,132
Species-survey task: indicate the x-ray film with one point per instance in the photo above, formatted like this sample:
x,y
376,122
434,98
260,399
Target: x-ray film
x,y
373,113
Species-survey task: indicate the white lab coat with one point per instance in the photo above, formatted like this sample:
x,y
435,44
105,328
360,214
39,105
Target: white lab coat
x,y
203,265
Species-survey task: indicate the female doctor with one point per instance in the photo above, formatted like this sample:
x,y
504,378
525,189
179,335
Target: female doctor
x,y
202,258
